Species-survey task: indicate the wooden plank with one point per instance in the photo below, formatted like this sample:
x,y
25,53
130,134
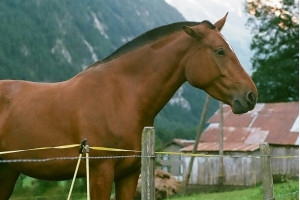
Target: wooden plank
x,y
148,164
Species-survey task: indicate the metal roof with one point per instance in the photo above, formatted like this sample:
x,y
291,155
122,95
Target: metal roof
x,y
214,146
274,123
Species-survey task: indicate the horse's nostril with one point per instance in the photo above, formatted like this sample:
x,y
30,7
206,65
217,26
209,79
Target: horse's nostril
x,y
250,97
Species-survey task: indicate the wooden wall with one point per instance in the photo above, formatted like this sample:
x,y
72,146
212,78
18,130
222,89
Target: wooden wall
x,y
243,171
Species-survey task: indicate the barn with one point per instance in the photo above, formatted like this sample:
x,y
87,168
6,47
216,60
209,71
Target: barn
x,y
174,164
274,123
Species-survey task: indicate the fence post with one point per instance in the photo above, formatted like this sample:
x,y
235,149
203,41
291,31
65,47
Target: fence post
x,y
267,178
148,164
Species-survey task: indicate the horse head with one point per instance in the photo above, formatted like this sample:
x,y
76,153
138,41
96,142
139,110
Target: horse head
x,y
221,74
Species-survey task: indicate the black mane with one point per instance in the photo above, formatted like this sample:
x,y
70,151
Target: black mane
x,y
151,36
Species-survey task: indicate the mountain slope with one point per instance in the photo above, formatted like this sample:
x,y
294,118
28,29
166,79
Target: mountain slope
x,y
52,40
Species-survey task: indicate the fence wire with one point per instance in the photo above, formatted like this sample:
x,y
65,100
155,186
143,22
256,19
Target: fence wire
x,y
138,156
71,158
160,155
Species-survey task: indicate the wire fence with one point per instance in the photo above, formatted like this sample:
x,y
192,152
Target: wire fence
x,y
160,155
135,155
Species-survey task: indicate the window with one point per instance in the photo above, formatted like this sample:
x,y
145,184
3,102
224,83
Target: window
x,y
181,169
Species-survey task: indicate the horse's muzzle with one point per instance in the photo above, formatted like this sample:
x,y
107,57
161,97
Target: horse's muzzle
x,y
244,104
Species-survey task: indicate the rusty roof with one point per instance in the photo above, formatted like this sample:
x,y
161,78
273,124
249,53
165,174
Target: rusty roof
x,y
274,123
214,146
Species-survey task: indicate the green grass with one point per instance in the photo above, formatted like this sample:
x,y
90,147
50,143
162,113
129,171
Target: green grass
x,y
288,190
30,190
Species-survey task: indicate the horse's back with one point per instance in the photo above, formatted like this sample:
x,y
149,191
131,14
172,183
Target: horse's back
x,y
15,91
9,89
27,110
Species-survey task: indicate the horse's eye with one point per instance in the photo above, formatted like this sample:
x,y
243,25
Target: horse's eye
x,y
220,52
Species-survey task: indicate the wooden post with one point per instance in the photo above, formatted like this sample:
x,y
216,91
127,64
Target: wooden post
x,y
221,161
267,178
148,164
200,129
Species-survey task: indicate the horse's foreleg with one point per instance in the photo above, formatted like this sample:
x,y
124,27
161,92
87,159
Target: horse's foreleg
x,y
8,178
101,179
126,186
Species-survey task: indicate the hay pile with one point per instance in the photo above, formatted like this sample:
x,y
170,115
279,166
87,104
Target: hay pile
x,y
165,185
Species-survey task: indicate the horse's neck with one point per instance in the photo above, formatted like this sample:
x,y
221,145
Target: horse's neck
x,y
152,73
161,75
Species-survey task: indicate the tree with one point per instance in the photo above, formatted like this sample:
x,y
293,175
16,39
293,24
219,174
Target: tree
x,y
275,27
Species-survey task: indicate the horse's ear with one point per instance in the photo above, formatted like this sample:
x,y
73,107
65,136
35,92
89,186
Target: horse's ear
x,y
191,32
219,24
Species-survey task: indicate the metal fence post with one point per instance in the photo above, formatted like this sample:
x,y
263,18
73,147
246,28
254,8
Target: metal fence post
x,y
148,164
267,178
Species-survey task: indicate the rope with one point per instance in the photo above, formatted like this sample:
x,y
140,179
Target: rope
x,y
82,145
87,173
74,177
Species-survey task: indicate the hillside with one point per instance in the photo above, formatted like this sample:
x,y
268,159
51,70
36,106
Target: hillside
x,y
41,38
52,40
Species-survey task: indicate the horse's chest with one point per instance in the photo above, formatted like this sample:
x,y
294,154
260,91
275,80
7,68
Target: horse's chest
x,y
127,165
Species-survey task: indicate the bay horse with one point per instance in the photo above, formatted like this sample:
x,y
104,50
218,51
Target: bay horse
x,y
110,103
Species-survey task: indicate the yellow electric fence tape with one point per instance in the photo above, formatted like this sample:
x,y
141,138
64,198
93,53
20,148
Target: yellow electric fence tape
x,y
113,149
135,151
41,148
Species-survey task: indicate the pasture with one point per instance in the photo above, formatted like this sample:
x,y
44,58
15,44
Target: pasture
x,y
31,189
288,190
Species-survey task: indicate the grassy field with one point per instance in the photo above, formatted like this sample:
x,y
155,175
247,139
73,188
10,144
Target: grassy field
x,y
289,190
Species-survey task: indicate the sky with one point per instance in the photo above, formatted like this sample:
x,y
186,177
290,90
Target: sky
x,y
235,30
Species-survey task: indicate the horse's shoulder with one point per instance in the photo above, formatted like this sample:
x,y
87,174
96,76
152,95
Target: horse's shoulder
x,y
10,88
6,93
